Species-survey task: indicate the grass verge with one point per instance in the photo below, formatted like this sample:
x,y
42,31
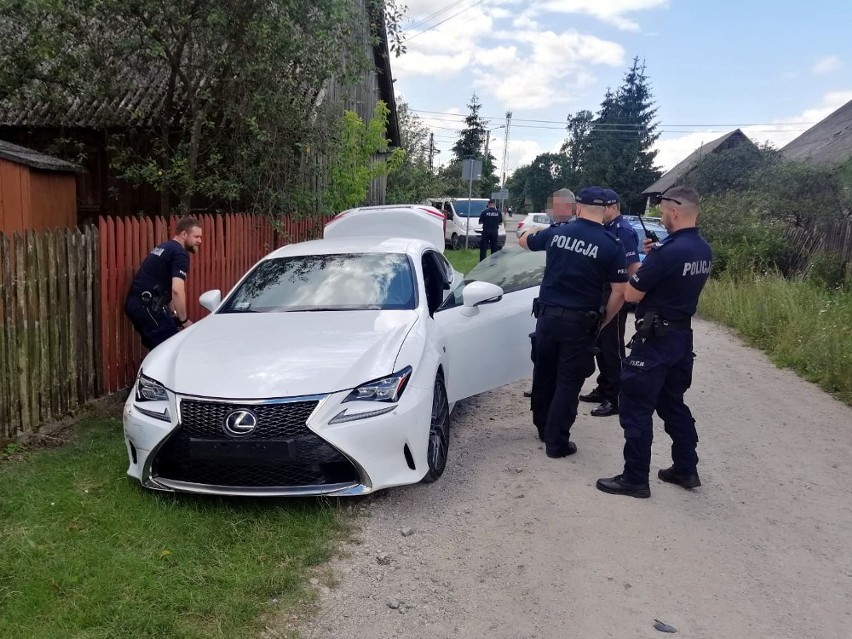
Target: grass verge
x,y
463,260
798,324
88,553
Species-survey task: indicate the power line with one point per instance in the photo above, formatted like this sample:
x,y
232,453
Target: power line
x,y
420,23
455,15
741,124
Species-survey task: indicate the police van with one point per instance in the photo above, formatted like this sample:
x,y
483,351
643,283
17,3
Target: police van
x,y
463,219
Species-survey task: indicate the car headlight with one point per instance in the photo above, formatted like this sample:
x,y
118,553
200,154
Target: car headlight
x,y
386,389
150,390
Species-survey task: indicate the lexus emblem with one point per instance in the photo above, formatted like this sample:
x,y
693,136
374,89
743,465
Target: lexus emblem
x,y
240,422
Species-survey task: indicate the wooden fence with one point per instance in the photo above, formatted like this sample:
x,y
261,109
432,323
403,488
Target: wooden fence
x,y
834,238
64,337
230,245
48,358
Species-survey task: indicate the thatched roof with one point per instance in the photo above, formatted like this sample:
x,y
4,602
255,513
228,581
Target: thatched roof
x,y
34,159
827,142
674,175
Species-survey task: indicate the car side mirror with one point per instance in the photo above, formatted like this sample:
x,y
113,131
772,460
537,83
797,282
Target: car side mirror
x,y
477,293
449,214
210,299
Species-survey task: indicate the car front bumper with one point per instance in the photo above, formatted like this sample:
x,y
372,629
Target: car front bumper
x,y
315,457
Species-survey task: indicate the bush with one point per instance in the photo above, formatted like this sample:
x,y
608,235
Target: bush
x,y
743,241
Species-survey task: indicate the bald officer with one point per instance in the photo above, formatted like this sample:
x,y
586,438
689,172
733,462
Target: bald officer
x,y
658,371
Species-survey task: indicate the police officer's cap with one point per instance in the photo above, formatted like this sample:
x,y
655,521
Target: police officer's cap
x,y
593,196
611,197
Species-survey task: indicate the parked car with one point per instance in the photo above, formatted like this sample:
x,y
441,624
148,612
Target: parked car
x,y
651,224
463,220
533,221
332,366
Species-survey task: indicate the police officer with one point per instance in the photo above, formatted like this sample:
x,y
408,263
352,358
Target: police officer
x,y
581,257
490,219
611,340
659,369
156,301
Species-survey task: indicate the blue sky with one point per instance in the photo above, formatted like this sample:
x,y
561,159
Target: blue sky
x,y
769,68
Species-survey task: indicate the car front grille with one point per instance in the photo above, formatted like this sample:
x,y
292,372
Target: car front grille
x,y
281,452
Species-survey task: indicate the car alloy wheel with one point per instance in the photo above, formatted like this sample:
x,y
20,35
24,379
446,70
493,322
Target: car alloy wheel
x,y
455,243
439,433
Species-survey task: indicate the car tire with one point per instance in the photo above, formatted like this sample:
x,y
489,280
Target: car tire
x,y
454,242
439,433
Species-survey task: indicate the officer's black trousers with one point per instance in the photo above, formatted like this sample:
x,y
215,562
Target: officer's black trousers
x,y
489,239
154,327
609,356
563,361
655,376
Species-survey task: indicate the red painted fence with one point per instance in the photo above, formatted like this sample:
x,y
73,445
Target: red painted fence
x,y
230,245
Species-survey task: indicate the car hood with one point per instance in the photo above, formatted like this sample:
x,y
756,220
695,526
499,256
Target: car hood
x,y
265,355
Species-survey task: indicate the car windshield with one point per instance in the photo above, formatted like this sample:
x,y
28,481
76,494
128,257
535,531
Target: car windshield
x,y
354,281
476,207
512,269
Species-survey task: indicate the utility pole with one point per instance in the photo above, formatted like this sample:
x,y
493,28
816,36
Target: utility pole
x,y
506,147
431,151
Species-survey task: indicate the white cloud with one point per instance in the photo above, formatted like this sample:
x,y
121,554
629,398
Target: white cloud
x,y
610,11
827,64
778,132
445,50
550,71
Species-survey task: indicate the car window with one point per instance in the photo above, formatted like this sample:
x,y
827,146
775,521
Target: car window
x,y
512,269
353,281
542,219
476,207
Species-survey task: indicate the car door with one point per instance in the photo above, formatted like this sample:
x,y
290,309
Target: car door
x,y
488,345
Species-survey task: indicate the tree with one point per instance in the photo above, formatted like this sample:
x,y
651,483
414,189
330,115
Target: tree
x,y
235,107
575,147
538,181
614,149
472,137
413,180
732,169
355,165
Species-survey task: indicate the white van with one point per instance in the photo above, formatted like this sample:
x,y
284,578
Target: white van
x,y
458,215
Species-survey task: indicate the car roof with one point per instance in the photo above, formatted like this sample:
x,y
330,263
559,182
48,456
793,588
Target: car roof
x,y
407,246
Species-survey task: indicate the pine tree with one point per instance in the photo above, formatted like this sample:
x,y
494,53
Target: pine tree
x,y
615,152
472,137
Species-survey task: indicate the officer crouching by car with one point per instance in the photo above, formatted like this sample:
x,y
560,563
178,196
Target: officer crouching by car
x,y
658,370
581,258
156,301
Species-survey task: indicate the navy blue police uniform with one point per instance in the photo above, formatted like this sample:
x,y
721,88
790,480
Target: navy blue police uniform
x,y
658,371
490,219
611,339
581,257
151,292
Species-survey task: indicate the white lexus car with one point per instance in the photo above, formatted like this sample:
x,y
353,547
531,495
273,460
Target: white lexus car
x,y
332,367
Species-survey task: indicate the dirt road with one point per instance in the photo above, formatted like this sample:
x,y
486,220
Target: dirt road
x,y
511,544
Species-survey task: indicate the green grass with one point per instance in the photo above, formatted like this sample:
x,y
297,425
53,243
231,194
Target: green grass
x,y
86,553
800,325
463,260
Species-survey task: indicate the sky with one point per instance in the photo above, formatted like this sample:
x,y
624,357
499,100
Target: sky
x,y
772,69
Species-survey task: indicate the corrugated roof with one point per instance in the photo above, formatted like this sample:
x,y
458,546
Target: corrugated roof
x,y
140,99
827,142
28,157
671,177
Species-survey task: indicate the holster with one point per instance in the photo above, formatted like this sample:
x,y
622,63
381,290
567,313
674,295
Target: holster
x,y
592,322
536,307
652,324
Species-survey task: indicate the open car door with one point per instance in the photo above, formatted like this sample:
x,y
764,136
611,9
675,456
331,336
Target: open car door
x,y
486,322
